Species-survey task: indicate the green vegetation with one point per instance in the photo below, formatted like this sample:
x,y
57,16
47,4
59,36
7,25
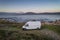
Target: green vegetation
x,y
14,35
13,31
55,28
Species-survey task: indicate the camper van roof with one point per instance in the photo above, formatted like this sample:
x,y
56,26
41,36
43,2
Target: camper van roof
x,y
33,21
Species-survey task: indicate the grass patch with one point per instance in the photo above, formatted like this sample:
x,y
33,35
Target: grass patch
x,y
14,35
55,28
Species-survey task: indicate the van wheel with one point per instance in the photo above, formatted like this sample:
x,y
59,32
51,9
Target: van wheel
x,y
38,28
24,29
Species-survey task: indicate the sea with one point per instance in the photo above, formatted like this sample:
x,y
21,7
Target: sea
x,y
24,18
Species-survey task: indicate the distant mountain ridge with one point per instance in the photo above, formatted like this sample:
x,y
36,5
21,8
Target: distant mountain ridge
x,y
29,13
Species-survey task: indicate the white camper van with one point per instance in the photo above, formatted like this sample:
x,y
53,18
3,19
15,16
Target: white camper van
x,y
32,25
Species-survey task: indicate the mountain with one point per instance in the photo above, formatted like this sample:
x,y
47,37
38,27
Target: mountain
x,y
29,13
46,13
6,13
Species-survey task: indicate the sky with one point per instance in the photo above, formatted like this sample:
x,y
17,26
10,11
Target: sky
x,y
30,6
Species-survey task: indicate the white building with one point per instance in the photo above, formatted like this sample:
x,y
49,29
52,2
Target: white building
x,y
32,25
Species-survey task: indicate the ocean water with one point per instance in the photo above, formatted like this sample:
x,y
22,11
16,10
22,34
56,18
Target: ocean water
x,y
21,18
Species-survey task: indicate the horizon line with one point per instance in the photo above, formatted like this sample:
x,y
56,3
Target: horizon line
x,y
32,12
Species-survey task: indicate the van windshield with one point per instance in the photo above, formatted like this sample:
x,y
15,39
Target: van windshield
x,y
26,25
